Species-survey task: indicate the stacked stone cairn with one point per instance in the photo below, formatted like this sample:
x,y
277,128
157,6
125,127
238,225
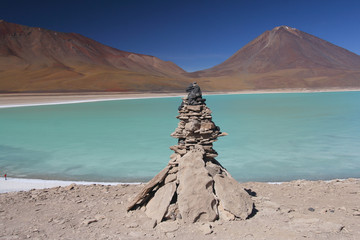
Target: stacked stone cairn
x,y
194,187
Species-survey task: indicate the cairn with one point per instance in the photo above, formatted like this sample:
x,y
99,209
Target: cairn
x,y
195,128
194,187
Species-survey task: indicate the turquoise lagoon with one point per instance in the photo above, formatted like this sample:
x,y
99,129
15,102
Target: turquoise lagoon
x,y
272,137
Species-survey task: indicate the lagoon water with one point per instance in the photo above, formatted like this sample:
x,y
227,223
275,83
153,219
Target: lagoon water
x,y
272,137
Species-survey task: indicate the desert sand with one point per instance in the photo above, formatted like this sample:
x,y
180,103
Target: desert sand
x,y
291,210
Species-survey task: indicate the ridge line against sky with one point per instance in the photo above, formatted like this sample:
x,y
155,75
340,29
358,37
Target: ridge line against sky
x,y
195,35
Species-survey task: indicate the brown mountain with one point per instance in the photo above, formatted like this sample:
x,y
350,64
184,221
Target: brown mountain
x,y
284,58
40,60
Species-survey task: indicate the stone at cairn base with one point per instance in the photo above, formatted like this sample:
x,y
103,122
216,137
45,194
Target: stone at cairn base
x,y
200,191
196,199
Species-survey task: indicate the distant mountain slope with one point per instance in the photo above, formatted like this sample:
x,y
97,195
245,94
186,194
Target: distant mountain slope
x,y
35,59
284,58
40,60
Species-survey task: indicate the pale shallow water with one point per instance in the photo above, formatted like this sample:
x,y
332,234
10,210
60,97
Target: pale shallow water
x,y
272,137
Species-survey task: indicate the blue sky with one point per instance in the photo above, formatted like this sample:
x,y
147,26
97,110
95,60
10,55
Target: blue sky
x,y
193,34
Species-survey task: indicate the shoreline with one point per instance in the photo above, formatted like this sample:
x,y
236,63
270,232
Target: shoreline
x,y
27,184
11,100
40,99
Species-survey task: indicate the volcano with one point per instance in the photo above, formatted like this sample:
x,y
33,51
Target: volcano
x,y
39,60
284,57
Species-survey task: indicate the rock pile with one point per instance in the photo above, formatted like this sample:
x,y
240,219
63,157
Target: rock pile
x,y
194,187
195,128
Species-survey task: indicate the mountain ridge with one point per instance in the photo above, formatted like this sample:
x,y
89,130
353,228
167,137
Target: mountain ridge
x,y
34,59
40,52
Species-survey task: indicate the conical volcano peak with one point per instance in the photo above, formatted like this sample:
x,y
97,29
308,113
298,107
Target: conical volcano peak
x,y
284,27
285,57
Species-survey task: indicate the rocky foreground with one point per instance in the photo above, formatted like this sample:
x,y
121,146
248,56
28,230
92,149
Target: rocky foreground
x,y
292,210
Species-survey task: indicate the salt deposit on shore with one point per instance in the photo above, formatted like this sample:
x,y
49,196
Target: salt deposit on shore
x,y
22,184
23,100
36,99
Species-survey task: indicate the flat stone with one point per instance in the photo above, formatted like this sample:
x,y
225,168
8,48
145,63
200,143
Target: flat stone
x,y
188,145
205,126
181,152
170,178
223,134
213,169
191,140
207,142
158,205
196,108
196,200
174,156
153,183
177,133
238,202
172,212
179,149
211,155
208,147
205,132
225,215
173,170
174,147
190,114
182,117
207,111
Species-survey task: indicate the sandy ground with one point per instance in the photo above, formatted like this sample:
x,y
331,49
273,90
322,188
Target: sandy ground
x,y
292,210
31,99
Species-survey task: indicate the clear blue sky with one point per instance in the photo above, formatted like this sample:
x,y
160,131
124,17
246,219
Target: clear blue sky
x,y
193,34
